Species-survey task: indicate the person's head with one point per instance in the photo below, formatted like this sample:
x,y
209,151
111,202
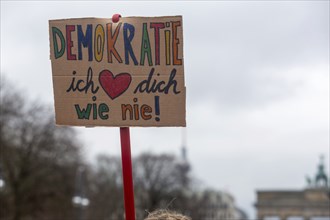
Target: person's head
x,y
166,215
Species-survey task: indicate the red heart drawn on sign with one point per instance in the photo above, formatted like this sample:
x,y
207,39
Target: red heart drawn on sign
x,y
114,86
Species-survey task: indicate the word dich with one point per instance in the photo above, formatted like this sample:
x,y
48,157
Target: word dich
x,y
97,41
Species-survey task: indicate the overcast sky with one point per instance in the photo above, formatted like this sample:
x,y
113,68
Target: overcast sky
x,y
257,77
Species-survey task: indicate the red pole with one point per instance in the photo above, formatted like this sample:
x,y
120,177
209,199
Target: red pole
x,y
127,173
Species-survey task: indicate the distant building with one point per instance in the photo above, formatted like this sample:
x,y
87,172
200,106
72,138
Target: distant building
x,y
312,203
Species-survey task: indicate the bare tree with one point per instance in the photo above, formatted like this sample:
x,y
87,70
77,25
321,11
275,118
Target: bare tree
x,y
105,189
38,160
160,182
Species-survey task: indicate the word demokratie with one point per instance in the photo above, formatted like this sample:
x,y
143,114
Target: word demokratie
x,y
101,40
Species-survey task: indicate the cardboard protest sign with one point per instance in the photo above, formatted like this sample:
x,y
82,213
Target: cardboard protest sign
x,y
128,73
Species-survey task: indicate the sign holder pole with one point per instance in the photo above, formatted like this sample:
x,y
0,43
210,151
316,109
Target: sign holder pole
x,y
126,160
127,173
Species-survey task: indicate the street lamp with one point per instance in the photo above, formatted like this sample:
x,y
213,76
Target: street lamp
x,y
80,201
2,183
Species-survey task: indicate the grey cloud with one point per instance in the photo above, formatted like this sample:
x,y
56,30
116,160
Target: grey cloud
x,y
253,50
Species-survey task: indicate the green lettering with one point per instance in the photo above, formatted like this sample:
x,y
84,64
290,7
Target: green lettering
x,y
145,46
83,113
57,32
103,108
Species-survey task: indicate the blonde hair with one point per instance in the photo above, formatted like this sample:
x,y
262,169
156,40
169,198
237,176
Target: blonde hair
x,y
166,215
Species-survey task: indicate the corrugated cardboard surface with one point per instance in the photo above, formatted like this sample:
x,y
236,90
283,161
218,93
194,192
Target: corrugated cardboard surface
x,y
71,74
